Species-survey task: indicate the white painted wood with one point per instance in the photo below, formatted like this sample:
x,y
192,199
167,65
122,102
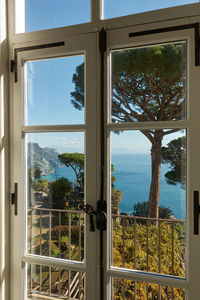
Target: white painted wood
x,y
86,45
96,10
19,16
119,39
4,155
54,128
148,125
55,262
148,277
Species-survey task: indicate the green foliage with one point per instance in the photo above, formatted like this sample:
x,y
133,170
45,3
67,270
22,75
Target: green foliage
x,y
75,235
113,178
60,190
125,289
130,249
175,155
167,60
78,95
64,241
140,209
34,174
54,250
76,162
41,186
160,63
127,247
156,72
61,187
116,197
148,83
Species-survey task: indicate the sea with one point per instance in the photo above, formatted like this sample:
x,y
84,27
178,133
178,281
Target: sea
x,y
133,177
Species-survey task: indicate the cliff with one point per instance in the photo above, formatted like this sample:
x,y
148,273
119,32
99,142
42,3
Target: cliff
x,y
45,159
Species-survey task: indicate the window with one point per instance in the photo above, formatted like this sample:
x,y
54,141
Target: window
x,y
104,151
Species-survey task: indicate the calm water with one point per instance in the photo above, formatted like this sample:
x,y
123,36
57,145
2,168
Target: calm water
x,y
133,175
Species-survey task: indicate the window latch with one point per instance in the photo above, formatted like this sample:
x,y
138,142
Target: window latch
x,y
14,198
100,213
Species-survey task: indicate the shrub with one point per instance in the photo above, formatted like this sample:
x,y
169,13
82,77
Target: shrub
x,y
60,190
140,209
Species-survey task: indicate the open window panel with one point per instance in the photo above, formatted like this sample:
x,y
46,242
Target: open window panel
x,y
54,252
152,169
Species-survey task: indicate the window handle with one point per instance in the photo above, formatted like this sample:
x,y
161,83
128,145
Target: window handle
x,y
101,215
14,198
196,212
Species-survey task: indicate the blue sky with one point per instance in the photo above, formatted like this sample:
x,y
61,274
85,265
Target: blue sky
x,y
49,82
135,142
44,14
116,8
62,142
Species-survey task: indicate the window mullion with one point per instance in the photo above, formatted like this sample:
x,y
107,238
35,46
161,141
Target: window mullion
x,y
96,10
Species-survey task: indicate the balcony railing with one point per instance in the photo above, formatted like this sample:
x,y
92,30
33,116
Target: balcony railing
x,y
57,233
149,245
60,233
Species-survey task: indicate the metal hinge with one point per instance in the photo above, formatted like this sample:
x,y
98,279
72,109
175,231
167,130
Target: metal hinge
x,y
196,212
12,65
14,198
102,41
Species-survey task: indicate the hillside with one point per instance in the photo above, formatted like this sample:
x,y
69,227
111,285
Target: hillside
x,y
45,159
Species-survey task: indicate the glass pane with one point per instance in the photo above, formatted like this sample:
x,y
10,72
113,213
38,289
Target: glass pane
x,y
47,14
54,283
137,290
117,8
50,91
55,189
149,84
149,200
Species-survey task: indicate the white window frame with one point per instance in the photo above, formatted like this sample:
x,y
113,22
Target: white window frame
x,y
86,45
121,35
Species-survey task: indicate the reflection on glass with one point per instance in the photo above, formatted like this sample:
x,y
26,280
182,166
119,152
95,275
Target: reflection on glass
x,y
137,290
117,8
50,94
45,14
149,84
56,283
55,189
148,200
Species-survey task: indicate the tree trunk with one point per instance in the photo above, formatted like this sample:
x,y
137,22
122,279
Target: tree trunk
x,y
154,194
